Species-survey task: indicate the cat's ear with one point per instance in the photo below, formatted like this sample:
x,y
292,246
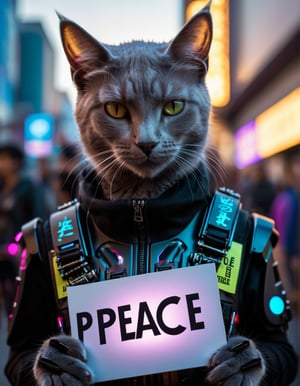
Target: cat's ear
x,y
192,44
83,51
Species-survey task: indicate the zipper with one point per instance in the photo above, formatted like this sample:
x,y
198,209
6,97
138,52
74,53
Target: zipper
x,y
138,218
138,206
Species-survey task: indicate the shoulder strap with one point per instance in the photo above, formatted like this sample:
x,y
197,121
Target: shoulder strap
x,y
216,245
73,250
217,230
71,256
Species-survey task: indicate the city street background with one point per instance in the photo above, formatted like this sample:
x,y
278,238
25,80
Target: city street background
x,y
255,130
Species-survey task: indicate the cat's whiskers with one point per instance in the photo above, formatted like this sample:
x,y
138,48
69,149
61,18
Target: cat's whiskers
x,y
80,164
101,163
104,171
117,171
86,163
180,163
213,163
215,167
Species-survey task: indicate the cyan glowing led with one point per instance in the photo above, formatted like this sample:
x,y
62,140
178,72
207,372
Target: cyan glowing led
x,y
276,305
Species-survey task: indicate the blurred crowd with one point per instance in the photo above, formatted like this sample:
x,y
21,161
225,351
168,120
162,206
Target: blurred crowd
x,y
24,197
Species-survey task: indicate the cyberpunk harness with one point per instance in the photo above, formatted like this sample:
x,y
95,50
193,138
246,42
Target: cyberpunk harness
x,y
94,239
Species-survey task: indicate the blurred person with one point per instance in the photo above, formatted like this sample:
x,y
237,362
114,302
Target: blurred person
x,y
48,202
258,190
16,206
286,213
65,180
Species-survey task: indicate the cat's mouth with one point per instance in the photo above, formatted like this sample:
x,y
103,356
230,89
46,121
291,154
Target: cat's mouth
x,y
149,167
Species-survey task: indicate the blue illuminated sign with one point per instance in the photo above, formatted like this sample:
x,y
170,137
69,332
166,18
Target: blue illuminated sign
x,y
65,229
38,135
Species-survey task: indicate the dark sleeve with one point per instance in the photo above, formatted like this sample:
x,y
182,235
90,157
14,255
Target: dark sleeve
x,y
33,321
281,361
270,334
25,204
279,354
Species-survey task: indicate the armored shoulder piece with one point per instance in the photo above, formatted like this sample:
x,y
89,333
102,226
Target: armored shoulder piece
x,y
265,236
276,304
32,236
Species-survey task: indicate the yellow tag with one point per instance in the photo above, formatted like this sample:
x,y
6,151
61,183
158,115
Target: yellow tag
x,y
61,284
228,270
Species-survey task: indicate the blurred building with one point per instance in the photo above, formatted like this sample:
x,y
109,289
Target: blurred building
x,y
36,84
27,90
256,60
265,103
64,119
8,63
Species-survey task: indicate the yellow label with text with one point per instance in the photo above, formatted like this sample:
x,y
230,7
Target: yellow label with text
x,y
228,270
61,284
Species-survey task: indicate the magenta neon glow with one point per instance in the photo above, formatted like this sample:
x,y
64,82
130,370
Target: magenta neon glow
x,y
120,258
246,145
60,323
23,260
10,316
18,236
12,249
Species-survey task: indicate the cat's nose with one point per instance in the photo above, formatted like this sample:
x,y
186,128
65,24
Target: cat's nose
x,y
147,147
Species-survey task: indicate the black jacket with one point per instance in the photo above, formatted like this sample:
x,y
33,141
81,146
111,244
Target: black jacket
x,y
164,217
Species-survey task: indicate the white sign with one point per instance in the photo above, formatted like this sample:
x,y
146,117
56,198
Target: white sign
x,y
148,324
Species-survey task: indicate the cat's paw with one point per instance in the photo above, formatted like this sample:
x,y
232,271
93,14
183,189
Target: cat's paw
x,y
237,363
61,361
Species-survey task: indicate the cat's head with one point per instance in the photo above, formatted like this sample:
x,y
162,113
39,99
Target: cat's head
x,y
142,108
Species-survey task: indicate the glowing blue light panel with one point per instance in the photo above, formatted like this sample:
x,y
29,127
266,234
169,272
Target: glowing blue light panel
x,y
38,135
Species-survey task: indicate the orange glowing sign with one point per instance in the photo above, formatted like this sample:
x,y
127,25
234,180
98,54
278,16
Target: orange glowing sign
x,y
218,77
278,128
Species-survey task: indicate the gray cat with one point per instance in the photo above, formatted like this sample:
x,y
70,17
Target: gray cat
x,y
143,111
133,102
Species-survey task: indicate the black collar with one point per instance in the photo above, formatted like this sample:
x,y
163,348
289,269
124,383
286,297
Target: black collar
x,y
164,216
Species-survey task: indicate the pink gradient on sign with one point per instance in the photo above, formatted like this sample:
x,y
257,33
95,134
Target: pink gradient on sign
x,y
129,298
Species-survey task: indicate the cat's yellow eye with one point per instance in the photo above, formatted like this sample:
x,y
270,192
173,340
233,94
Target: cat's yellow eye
x,y
116,110
173,107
